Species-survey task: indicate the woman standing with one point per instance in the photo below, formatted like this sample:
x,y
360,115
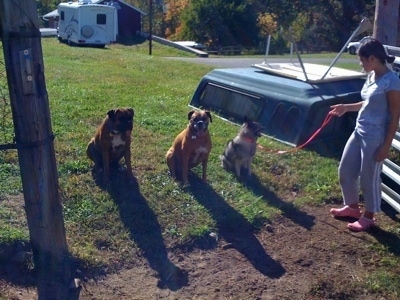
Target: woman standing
x,y
369,144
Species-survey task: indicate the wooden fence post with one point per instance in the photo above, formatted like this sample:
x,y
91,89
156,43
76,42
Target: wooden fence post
x,y
34,138
386,21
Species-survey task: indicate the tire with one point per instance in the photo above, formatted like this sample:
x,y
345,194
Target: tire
x,y
352,50
87,31
70,43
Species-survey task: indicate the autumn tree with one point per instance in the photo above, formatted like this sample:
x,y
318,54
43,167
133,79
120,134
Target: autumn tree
x,y
220,23
267,24
172,17
330,22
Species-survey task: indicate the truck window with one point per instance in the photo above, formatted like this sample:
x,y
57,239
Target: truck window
x,y
231,102
62,16
101,19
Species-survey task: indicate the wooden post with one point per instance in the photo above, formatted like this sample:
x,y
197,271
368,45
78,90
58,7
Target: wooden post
x,y
150,27
34,139
386,21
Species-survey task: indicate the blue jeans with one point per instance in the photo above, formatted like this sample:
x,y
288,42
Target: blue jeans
x,y
358,169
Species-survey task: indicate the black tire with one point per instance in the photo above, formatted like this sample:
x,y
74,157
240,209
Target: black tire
x,y
70,43
352,50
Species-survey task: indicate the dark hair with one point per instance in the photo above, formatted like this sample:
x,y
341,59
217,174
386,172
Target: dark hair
x,y
375,48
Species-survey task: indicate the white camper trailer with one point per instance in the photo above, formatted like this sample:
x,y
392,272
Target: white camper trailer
x,y
86,23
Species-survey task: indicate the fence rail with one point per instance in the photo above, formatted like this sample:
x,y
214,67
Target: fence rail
x,y
391,172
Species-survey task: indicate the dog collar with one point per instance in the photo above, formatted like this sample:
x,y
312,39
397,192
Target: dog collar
x,y
249,140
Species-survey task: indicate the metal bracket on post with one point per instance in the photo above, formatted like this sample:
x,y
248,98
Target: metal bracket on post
x,y
26,67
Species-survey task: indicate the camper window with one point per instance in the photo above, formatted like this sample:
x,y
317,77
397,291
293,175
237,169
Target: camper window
x,y
62,16
101,19
231,102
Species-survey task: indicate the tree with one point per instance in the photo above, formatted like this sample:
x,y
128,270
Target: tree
x,y
46,6
172,17
267,24
220,23
330,22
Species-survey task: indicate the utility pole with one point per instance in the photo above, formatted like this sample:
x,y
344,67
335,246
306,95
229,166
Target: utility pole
x,y
150,26
386,21
35,144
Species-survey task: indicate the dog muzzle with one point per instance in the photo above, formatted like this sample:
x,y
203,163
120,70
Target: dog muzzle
x,y
200,127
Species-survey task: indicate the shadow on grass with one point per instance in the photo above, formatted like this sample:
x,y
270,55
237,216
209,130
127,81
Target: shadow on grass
x,y
235,229
390,211
13,267
289,211
17,268
131,40
145,230
390,240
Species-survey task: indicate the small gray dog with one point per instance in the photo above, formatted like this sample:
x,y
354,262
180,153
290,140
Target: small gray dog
x,y
239,151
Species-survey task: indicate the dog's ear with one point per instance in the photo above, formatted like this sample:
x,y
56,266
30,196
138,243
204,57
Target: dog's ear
x,y
131,111
209,115
190,114
111,113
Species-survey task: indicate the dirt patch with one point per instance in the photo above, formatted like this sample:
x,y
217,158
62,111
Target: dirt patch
x,y
307,255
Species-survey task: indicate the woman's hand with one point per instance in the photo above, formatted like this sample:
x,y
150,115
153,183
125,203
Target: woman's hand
x,y
338,110
382,153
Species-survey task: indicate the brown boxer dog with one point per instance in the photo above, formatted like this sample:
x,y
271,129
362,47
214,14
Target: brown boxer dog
x,y
191,147
111,142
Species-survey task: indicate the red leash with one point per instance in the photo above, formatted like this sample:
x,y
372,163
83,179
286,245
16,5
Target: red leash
x,y
326,121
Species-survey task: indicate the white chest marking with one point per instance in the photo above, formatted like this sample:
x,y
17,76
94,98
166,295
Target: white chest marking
x,y
201,150
198,152
117,141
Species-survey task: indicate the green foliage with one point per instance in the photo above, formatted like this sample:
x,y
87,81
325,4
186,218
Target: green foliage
x,y
10,234
383,281
326,24
46,6
12,222
220,23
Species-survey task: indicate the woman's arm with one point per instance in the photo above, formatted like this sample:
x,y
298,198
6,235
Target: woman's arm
x,y
393,98
340,109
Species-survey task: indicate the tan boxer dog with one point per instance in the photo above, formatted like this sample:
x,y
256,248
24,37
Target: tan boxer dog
x,y
111,142
191,147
